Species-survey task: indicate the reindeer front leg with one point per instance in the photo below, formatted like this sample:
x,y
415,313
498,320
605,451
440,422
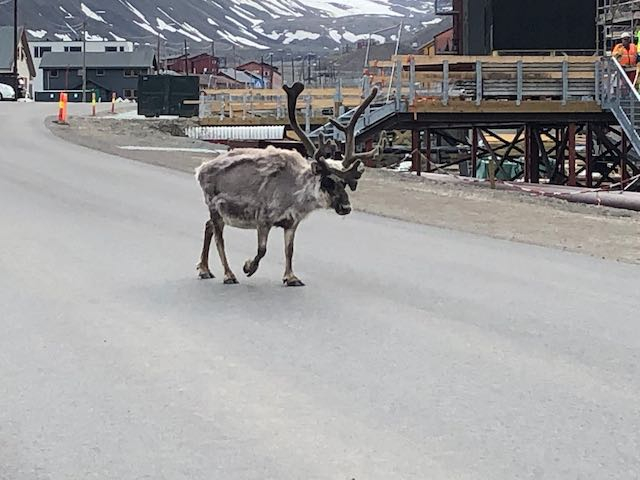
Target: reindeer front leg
x,y
289,279
203,266
251,265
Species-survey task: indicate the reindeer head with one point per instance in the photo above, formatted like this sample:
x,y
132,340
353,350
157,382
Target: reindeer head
x,y
335,176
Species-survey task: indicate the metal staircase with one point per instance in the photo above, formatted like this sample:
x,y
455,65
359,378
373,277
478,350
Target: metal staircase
x,y
618,95
377,113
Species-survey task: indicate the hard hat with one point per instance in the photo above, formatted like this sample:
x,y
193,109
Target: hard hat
x,y
626,35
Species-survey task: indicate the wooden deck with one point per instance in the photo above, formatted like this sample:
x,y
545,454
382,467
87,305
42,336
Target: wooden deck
x,y
461,107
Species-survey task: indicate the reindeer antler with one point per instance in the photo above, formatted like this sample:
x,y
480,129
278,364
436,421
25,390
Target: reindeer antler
x,y
293,93
350,155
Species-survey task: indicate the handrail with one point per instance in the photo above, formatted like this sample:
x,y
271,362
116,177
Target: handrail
x,y
618,94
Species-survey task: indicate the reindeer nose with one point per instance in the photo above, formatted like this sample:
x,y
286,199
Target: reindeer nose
x,y
345,209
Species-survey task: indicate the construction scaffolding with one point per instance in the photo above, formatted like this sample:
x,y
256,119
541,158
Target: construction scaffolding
x,y
615,17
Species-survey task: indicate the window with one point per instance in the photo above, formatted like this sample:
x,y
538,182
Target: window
x,y
72,49
110,49
53,73
38,52
100,72
130,73
122,49
130,93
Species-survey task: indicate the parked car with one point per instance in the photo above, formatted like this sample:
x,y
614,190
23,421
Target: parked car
x,y
7,92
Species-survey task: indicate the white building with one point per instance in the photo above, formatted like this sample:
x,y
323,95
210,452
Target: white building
x,y
41,47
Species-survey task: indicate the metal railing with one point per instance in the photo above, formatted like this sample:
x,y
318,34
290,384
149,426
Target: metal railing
x,y
556,78
618,94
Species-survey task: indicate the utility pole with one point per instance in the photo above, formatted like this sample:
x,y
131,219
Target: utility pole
x,y
262,70
234,62
186,59
293,71
282,67
158,56
271,70
84,61
15,45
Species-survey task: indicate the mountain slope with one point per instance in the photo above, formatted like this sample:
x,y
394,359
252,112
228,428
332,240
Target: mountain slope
x,y
299,25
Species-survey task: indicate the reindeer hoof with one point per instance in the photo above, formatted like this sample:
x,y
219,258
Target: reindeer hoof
x,y
293,282
250,268
230,281
205,275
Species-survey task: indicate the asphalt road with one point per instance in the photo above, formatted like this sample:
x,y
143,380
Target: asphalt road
x,y
413,352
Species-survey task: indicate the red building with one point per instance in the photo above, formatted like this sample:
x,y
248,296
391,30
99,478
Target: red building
x,y
198,64
271,75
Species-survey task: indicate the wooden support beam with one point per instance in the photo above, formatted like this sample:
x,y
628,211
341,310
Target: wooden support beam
x,y
572,155
624,175
427,148
589,160
415,152
474,152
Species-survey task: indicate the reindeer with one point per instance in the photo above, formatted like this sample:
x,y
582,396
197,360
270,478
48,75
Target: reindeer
x,y
260,189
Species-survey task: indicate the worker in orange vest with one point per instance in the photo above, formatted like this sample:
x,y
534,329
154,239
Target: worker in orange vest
x,y
626,52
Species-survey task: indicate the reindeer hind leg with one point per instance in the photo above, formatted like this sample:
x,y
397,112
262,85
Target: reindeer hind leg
x,y
218,229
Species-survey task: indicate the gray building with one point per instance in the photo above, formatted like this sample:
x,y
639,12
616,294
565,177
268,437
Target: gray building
x,y
25,68
106,72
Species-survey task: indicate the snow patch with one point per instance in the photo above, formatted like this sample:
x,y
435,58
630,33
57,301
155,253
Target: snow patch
x,y
248,16
90,13
135,11
299,35
117,38
212,22
435,21
149,28
352,37
67,14
335,36
233,20
257,6
93,38
162,25
331,8
273,35
196,32
63,36
240,40
37,33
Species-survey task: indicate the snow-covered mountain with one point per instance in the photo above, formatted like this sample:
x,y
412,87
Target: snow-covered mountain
x,y
265,25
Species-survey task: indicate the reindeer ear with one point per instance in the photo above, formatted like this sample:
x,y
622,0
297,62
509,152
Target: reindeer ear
x,y
357,168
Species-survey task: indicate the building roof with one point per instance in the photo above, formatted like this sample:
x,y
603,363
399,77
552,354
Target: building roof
x,y
6,49
265,65
142,58
240,76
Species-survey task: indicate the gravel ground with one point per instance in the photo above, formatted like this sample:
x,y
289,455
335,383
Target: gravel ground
x,y
597,231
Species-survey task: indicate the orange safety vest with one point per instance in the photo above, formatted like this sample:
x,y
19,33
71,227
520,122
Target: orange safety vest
x,y
626,57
